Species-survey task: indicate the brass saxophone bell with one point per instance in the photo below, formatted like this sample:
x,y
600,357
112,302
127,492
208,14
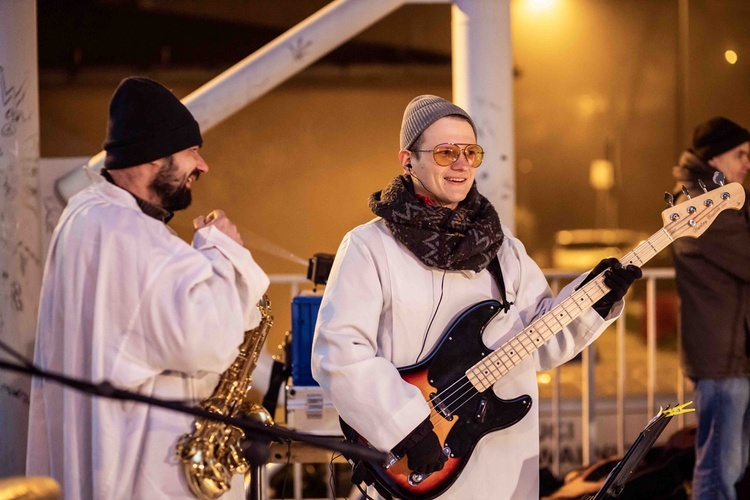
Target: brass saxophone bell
x,y
212,454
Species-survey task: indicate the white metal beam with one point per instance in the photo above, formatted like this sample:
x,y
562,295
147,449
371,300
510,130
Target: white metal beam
x,y
266,68
483,86
482,80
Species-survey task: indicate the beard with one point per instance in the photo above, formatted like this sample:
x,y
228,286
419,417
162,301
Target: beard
x,y
173,191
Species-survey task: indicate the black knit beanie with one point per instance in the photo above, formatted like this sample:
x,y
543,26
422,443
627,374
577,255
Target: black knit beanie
x,y
716,136
146,122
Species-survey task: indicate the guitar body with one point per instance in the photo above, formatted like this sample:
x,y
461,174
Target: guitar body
x,y
461,415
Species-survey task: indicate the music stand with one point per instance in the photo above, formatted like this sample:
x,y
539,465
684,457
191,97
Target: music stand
x,y
615,482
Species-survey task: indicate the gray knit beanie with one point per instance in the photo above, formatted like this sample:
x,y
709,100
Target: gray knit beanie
x,y
422,112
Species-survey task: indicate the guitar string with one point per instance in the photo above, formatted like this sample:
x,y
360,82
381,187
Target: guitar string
x,y
657,239
471,390
464,380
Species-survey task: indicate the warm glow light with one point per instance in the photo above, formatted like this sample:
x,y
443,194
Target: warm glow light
x,y
543,378
730,56
540,5
589,105
602,175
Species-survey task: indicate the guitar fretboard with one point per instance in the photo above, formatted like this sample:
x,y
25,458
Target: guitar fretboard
x,y
690,218
491,368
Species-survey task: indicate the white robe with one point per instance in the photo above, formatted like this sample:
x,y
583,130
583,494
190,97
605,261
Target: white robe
x,y
126,300
374,315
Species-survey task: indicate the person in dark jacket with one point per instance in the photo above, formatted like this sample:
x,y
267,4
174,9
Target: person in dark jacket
x,y
713,280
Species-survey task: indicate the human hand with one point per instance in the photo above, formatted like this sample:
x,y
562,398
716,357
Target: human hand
x,y
422,449
426,455
617,278
219,219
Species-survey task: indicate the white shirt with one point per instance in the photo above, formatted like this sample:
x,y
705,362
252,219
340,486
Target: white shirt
x,y
126,300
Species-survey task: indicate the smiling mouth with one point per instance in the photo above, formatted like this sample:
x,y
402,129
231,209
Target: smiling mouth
x,y
193,177
455,180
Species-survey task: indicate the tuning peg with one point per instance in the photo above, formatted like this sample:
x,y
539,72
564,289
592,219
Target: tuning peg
x,y
702,185
718,178
686,192
668,198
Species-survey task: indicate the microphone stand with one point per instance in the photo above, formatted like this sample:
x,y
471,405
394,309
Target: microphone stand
x,y
256,452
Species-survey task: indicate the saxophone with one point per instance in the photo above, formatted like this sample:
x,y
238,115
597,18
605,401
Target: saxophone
x,y
212,453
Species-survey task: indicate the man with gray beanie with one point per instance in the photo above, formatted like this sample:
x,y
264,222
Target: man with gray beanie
x,y
125,300
713,281
436,250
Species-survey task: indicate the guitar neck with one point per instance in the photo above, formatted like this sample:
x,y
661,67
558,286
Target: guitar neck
x,y
490,369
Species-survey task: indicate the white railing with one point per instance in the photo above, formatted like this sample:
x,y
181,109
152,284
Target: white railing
x,y
622,403
556,404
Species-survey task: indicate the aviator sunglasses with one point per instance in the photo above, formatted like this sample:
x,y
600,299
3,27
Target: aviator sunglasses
x,y
447,153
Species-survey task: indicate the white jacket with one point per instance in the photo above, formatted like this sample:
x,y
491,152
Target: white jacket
x,y
126,300
374,317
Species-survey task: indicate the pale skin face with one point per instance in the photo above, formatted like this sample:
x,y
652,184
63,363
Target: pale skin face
x,y
734,163
445,186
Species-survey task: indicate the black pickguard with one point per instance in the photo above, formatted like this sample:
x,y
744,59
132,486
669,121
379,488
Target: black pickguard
x,y
461,348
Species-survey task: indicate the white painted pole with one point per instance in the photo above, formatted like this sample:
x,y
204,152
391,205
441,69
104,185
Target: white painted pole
x,y
483,86
266,68
20,226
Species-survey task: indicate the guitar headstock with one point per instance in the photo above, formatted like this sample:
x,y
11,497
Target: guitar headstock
x,y
693,216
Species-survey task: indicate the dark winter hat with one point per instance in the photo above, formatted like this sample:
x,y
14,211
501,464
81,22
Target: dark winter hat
x,y
422,112
146,122
716,136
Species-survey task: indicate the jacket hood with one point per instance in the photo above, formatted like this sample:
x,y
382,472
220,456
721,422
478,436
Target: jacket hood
x,y
691,168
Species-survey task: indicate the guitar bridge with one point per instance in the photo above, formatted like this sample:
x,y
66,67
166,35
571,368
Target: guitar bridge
x,y
440,407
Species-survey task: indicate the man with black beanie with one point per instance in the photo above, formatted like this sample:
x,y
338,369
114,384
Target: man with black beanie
x,y
713,281
127,301
436,249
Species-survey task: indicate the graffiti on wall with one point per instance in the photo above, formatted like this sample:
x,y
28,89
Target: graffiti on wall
x,y
12,97
20,255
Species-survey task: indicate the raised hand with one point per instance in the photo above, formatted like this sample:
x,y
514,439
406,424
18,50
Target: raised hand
x,y
219,219
617,278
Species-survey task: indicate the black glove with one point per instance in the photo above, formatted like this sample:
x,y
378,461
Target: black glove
x,y
617,278
423,450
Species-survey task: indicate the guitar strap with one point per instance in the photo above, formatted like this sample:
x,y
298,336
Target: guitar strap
x,y
360,471
494,268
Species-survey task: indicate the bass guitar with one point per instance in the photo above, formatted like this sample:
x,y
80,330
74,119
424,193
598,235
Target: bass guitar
x,y
457,377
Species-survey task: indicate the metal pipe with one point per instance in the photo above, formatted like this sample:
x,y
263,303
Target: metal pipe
x,y
651,343
588,419
265,69
620,331
483,86
555,285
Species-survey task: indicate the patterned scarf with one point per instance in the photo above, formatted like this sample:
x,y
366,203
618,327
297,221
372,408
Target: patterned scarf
x,y
466,238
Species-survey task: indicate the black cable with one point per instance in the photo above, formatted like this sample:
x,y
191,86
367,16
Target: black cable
x,y
286,467
20,357
426,333
332,479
